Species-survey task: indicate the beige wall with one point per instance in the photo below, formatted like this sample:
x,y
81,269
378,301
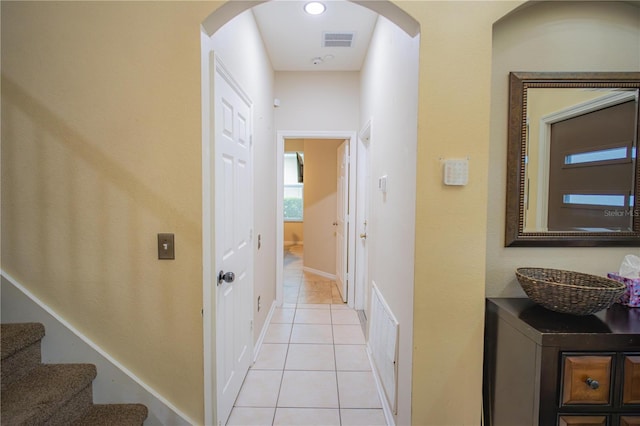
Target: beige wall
x,y
293,233
294,145
101,150
454,99
100,100
562,36
320,185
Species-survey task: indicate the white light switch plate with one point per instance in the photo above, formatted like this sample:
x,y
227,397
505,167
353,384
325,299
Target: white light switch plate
x,y
382,184
456,172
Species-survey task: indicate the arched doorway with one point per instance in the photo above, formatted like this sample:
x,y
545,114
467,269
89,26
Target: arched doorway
x,y
390,156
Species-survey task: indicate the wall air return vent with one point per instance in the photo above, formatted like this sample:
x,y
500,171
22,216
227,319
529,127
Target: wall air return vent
x,y
334,39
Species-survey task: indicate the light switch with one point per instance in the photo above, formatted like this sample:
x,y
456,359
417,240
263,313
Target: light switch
x,y
166,246
456,172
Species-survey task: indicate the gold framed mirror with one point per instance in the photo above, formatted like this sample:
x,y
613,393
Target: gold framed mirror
x,y
572,165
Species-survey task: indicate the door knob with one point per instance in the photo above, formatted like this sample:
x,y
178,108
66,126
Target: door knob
x,y
363,235
227,277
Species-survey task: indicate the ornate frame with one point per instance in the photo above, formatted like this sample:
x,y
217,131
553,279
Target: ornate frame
x,y
519,82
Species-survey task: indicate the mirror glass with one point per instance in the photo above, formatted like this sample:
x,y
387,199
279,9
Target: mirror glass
x,y
573,169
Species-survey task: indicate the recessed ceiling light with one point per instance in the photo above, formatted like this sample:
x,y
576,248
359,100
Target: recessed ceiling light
x,y
314,8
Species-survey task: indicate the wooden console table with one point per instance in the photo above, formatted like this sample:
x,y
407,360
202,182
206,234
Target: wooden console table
x,y
546,368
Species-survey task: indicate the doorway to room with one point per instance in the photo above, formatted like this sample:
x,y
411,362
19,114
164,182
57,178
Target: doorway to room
x,y
316,205
310,203
324,194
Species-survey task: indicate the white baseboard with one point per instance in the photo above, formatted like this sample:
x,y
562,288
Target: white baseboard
x,y
63,343
386,408
263,332
318,272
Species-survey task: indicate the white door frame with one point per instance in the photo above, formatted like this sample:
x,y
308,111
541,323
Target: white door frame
x,y
363,192
300,134
208,242
341,224
209,276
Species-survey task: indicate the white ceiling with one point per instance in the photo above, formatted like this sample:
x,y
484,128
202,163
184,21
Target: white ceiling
x,y
293,38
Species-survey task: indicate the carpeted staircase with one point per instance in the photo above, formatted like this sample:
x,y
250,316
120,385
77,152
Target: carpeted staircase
x,y
51,394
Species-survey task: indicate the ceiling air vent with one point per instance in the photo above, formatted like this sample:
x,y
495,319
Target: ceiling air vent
x,y
342,39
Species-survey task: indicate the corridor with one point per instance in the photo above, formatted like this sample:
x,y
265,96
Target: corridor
x,y
313,367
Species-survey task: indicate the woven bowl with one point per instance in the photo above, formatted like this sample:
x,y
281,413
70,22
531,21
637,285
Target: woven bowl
x,y
569,292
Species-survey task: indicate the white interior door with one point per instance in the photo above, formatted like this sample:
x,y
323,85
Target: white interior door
x,y
233,229
362,221
342,216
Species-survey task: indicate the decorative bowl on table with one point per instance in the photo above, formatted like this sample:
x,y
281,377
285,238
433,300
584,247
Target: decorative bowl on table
x,y
569,292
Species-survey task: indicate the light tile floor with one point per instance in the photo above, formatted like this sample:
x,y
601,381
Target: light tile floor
x,y
313,367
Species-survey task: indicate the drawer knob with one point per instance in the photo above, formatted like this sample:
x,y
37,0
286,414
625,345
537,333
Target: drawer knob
x,y
593,384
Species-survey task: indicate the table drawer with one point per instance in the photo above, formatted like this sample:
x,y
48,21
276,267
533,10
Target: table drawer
x,y
586,379
630,421
631,380
582,420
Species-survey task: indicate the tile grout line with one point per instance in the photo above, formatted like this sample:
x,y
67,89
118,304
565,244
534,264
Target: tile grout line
x,y
284,365
289,342
335,360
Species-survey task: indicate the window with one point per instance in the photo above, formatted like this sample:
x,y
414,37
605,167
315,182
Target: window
x,y
595,200
591,166
598,155
293,187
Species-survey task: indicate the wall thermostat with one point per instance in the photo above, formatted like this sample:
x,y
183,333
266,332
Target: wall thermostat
x,y
456,172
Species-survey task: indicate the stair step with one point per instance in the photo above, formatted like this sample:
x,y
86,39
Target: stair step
x,y
52,393
113,414
16,336
20,347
